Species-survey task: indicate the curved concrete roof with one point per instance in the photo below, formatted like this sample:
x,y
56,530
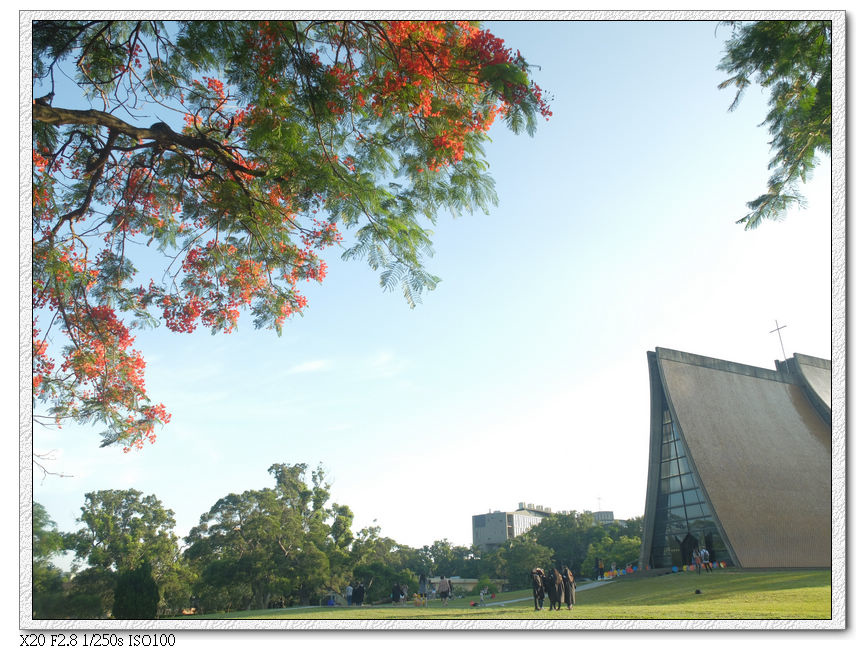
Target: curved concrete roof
x,y
817,375
762,453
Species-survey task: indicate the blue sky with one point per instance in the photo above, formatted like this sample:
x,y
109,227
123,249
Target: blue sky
x,y
614,234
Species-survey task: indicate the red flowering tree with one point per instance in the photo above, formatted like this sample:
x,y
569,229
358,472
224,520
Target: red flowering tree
x,y
274,140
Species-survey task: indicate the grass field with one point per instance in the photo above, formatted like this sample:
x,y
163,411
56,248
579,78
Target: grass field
x,y
725,594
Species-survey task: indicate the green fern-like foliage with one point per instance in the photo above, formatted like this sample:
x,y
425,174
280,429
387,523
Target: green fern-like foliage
x,y
793,60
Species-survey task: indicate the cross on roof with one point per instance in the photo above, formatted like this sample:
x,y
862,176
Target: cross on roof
x,y
778,329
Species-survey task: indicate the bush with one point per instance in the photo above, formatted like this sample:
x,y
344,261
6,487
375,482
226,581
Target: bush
x,y
136,595
483,581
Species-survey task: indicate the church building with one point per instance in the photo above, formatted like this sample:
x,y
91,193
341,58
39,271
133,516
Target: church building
x,y
739,462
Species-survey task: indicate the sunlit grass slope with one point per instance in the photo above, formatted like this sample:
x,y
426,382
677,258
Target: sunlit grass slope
x,y
726,594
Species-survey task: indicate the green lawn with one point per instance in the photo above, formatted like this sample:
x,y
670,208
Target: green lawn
x,y
725,594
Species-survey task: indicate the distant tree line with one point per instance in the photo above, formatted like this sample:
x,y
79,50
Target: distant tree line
x,y
283,545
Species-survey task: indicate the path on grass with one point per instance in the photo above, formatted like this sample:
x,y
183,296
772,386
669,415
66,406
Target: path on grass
x,y
583,587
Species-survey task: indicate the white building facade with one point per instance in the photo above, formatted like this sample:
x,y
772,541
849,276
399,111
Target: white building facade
x,y
495,528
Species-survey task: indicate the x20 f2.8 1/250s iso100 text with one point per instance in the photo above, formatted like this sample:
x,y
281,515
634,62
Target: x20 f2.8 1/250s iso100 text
x,y
97,640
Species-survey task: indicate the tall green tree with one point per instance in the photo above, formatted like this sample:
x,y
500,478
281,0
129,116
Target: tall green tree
x,y
792,59
175,586
521,555
122,528
339,547
378,562
47,540
569,536
445,558
468,565
413,559
245,549
369,546
240,150
274,543
48,580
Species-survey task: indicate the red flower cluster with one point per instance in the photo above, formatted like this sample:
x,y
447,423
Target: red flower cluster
x,y
248,181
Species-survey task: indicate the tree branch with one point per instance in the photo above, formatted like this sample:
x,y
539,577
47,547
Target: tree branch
x,y
159,132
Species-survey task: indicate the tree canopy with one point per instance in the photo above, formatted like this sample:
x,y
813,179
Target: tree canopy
x,y
122,528
792,59
47,540
199,168
285,542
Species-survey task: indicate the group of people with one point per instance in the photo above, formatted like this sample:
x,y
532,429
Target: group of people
x,y
354,595
700,558
556,585
444,589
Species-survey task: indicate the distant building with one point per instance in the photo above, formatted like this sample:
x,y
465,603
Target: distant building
x,y
495,528
739,462
604,517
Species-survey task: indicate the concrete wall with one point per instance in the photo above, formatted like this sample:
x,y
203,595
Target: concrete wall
x,y
493,533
